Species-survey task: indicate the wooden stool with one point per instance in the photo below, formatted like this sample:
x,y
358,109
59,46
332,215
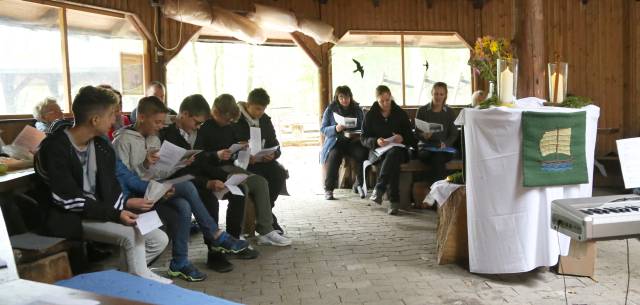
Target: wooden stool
x,y
451,241
47,270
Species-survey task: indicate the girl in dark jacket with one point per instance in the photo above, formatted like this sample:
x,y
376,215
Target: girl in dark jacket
x,y
432,146
337,145
387,126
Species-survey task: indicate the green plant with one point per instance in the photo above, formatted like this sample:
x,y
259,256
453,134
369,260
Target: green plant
x,y
491,101
456,178
576,102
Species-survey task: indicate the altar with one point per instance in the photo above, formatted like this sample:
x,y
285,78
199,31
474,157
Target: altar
x,y
509,228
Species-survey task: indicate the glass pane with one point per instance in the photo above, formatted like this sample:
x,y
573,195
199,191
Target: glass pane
x,y
381,65
211,69
30,57
446,64
105,50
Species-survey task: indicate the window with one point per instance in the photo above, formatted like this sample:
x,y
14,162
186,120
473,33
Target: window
x,y
382,54
32,62
214,68
30,57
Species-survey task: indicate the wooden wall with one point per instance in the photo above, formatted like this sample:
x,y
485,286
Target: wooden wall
x,y
599,39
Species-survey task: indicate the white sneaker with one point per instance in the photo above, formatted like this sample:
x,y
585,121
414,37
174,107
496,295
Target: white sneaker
x,y
150,275
274,239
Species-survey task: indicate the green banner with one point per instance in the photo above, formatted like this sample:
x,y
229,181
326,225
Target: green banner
x,y
553,151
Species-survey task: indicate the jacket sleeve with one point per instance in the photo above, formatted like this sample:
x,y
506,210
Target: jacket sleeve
x,y
328,126
409,138
452,129
130,183
55,168
271,138
360,118
368,139
203,144
242,130
124,153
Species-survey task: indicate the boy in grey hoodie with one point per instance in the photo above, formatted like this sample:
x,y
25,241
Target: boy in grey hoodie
x,y
137,147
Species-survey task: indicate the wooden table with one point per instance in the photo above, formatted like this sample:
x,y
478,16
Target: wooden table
x,y
16,180
23,292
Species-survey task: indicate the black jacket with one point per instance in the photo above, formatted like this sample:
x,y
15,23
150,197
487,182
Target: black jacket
x,y
59,167
376,126
213,137
267,131
200,168
446,117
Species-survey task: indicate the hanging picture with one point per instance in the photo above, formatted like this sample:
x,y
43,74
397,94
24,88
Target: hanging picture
x,y
553,146
132,74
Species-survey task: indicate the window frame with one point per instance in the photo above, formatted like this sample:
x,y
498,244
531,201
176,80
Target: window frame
x,y
402,34
64,46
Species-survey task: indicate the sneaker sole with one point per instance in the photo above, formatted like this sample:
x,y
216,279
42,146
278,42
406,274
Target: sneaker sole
x,y
184,276
225,250
269,243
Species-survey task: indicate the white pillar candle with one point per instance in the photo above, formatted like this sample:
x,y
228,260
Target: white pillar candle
x,y
505,86
560,88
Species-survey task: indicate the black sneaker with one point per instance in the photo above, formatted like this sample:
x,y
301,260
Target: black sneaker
x,y
217,262
247,253
328,195
276,226
189,273
376,196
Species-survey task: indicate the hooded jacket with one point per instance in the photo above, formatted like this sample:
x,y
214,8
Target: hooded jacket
x,y
132,147
58,166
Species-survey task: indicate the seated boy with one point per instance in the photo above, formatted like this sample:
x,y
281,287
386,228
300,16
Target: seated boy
x,y
215,137
268,167
136,146
78,165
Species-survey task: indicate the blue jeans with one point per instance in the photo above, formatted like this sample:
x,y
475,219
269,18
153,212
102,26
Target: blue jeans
x,y
185,202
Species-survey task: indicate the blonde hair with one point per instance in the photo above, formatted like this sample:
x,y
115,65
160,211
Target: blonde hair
x,y
38,110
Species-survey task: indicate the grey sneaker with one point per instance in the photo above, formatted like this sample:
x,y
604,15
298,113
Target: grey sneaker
x,y
392,211
328,195
376,196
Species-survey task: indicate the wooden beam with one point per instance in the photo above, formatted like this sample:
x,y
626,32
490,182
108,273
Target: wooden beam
x,y
64,42
310,47
530,47
404,87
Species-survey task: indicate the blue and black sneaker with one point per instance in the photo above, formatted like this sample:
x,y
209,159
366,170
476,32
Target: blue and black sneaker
x,y
189,273
226,243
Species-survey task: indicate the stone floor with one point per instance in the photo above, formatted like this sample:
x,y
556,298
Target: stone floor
x,y
349,252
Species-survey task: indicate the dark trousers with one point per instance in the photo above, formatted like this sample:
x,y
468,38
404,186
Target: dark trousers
x,y
344,147
390,172
438,163
235,210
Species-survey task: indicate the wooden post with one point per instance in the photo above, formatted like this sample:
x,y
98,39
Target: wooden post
x,y
66,71
530,47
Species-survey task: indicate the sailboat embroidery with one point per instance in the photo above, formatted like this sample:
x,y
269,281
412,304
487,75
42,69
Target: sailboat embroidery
x,y
555,148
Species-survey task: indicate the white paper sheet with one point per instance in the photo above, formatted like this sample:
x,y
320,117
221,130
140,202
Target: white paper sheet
x,y
64,300
170,155
232,185
29,138
265,152
236,147
344,121
179,179
628,152
155,190
428,127
255,140
148,222
382,150
243,159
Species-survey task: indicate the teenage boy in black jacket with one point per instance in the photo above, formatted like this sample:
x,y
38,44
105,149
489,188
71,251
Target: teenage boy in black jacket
x,y
78,165
252,115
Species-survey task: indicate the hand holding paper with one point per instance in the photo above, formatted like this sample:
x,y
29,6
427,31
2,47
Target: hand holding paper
x,y
344,121
232,185
428,127
155,190
148,222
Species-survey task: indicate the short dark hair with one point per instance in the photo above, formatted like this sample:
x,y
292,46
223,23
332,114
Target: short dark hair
x,y
195,105
118,94
344,90
150,105
90,101
226,106
382,89
259,96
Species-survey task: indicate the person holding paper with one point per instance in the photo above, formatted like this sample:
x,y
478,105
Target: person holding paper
x,y
253,117
186,200
386,123
336,146
214,137
78,166
45,112
431,143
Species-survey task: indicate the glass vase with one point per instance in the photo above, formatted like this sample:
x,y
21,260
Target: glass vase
x,y
558,74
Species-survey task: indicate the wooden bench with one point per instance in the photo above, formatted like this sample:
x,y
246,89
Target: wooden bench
x,y
451,237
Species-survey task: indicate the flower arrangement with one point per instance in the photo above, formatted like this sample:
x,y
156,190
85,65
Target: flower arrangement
x,y
485,54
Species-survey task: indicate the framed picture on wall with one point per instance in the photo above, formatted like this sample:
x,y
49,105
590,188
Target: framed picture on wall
x,y
132,74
